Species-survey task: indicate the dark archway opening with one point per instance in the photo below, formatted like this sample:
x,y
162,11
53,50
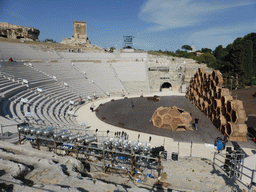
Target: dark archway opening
x,y
165,85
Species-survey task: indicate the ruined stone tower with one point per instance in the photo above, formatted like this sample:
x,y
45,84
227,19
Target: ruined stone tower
x,y
79,35
80,30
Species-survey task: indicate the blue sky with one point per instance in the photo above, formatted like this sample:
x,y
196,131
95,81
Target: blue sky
x,y
155,24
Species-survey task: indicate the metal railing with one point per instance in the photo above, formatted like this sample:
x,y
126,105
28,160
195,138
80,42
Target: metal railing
x,y
235,167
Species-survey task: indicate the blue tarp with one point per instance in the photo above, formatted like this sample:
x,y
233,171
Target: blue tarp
x,y
219,145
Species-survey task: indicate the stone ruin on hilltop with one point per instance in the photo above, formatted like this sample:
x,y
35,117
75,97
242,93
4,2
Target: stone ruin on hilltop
x,y
11,31
79,35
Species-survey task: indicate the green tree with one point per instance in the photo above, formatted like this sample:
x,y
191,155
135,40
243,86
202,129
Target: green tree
x,y
19,30
191,55
207,58
206,50
252,37
229,47
237,60
49,40
238,41
186,47
218,52
227,68
248,58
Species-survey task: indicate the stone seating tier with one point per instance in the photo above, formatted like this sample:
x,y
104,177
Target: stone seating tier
x,y
102,75
24,52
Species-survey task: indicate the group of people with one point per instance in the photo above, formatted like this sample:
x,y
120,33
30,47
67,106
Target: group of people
x,y
80,101
78,50
109,50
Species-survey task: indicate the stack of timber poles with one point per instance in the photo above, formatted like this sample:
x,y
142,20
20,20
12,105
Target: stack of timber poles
x,y
227,114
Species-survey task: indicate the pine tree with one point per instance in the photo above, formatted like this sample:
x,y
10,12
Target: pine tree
x,y
218,52
237,60
248,58
252,37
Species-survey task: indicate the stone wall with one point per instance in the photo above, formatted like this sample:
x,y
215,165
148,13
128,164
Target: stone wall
x,y
135,87
173,70
79,30
16,32
127,50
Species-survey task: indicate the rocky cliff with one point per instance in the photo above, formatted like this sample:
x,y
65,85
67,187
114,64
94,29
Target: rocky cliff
x,y
75,41
17,32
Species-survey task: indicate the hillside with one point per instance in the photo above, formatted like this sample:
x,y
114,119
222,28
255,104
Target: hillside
x,y
54,46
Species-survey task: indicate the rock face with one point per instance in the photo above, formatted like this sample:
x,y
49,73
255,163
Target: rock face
x,y
17,32
75,42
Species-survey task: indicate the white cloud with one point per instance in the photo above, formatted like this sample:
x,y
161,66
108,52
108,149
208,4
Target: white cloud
x,y
169,14
212,37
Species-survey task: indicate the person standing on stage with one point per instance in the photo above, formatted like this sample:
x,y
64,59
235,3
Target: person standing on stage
x,y
92,107
196,123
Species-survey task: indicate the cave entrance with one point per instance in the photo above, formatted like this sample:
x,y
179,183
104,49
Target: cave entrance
x,y
165,86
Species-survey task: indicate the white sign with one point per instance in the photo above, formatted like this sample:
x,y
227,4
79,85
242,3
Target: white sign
x,y
39,90
71,112
28,114
83,123
24,100
25,81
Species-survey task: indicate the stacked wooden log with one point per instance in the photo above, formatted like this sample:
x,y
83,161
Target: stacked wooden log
x,y
227,114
